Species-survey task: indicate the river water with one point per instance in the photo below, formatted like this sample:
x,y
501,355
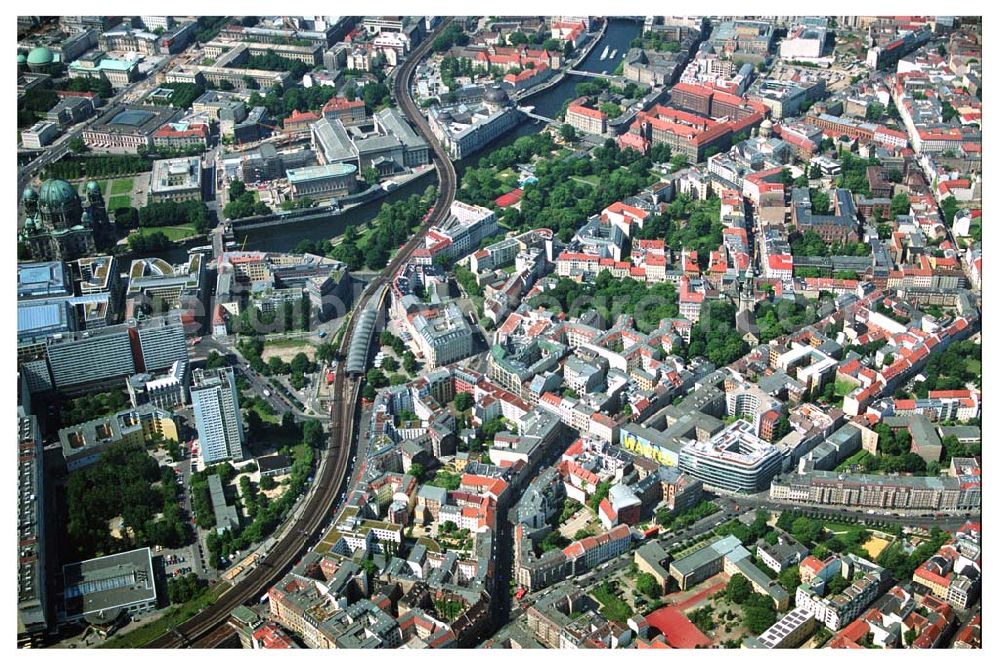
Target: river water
x,y
548,103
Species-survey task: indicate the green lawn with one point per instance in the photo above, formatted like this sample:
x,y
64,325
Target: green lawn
x,y
121,186
116,202
173,617
264,415
508,177
841,530
853,459
842,388
283,342
592,180
173,233
613,607
974,366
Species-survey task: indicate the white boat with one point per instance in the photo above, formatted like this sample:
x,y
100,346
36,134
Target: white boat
x,y
604,53
614,53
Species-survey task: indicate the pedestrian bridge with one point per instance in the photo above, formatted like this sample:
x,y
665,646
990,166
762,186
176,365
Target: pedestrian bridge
x,y
536,116
591,74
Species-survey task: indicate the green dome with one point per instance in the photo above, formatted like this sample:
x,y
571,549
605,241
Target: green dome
x,y
40,56
21,58
92,187
29,194
56,193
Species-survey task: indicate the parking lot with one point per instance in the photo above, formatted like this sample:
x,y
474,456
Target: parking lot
x,y
190,558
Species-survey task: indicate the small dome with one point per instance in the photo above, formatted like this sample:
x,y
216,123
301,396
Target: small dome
x,y
496,96
93,187
29,194
21,58
766,124
56,193
40,56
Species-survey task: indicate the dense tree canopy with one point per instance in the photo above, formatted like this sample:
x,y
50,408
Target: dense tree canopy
x,y
612,297
687,224
775,319
715,336
126,483
170,213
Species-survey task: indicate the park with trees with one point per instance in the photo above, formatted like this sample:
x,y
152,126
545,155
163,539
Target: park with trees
x,y
126,484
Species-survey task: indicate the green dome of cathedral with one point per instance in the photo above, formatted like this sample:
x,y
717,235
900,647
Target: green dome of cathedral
x,y
40,56
56,194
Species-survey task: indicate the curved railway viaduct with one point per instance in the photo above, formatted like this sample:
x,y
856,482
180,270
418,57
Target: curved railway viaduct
x,y
209,628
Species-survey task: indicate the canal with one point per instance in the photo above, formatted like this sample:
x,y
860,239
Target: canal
x,y
547,103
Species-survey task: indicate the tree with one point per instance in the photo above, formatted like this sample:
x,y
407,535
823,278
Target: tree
x,y
463,401
409,362
949,206
836,585
874,111
567,132
600,493
376,378
312,433
900,205
782,428
758,618
301,363
267,483
805,530
647,584
820,201
789,579
215,361
76,145
150,242
738,589
417,470
370,175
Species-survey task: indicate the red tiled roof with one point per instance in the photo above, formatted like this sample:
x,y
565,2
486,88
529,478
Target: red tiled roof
x,y
341,103
168,131
678,631
580,109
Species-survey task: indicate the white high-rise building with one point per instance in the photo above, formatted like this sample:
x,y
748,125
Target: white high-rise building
x,y
217,415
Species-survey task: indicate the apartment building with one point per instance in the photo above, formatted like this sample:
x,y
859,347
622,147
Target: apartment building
x,y
217,414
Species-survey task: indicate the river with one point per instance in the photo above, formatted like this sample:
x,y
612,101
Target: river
x,y
548,103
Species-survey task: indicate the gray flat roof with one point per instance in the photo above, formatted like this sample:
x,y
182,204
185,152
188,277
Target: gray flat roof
x,y
394,123
108,583
334,141
705,555
225,515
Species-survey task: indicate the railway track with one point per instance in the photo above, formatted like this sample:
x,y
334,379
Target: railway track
x,y
209,628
